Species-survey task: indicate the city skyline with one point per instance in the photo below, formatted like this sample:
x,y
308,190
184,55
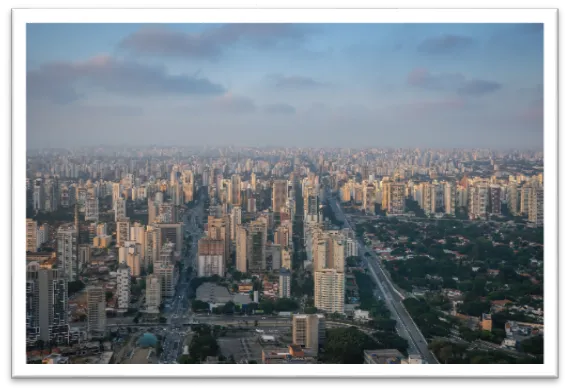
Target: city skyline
x,y
352,85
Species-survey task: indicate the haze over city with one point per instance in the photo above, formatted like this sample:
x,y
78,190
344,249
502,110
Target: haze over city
x,y
316,85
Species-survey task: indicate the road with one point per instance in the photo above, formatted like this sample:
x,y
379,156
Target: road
x,y
178,310
406,327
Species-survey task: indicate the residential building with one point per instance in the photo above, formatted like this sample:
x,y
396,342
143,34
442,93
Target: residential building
x,y
31,235
123,287
308,330
535,208
284,283
123,231
256,246
211,257
67,251
96,311
241,249
153,294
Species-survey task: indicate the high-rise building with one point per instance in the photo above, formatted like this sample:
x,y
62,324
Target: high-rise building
x,y
396,204
450,198
211,257
123,287
220,229
119,207
153,294
535,208
494,200
84,256
67,251
329,290
165,269
96,311
256,246
170,233
46,304
524,199
31,235
308,330
478,201
236,190
241,249
513,198
92,209
284,283
235,221
254,182
280,194
123,231
286,261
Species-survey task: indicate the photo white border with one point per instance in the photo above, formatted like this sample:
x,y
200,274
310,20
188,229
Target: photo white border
x,y
547,16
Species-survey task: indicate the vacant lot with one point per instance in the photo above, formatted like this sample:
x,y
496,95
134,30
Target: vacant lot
x,y
243,346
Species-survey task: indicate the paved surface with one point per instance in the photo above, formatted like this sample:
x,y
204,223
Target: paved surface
x,y
406,327
178,312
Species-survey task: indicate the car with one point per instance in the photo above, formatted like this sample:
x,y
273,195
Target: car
x,y
263,318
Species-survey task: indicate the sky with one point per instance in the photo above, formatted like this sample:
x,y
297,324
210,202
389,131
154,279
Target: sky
x,y
302,85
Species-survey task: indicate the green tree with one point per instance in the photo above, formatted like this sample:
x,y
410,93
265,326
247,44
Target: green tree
x,y
346,346
310,310
199,306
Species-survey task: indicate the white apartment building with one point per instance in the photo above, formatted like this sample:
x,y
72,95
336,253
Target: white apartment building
x,y
153,294
209,265
329,290
67,251
123,287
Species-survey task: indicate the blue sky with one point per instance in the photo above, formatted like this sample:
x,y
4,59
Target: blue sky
x,y
328,85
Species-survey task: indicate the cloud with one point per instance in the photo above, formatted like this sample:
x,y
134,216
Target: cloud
x,y
453,82
280,108
293,81
233,104
444,44
63,82
210,43
433,106
478,87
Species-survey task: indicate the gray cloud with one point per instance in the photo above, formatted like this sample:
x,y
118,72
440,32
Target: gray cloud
x,y
454,82
212,42
62,82
234,104
293,81
280,108
444,44
478,87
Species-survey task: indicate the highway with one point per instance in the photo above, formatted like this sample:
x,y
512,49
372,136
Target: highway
x,y
406,327
178,311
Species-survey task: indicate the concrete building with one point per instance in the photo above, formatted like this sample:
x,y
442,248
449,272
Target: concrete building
x,y
235,190
286,259
67,251
535,208
478,201
46,303
170,233
494,200
383,357
280,194
211,257
486,322
123,287
256,246
284,283
123,231
329,290
165,269
153,294
92,209
235,221
31,235
293,354
119,207
220,229
241,249
96,313
84,255
308,330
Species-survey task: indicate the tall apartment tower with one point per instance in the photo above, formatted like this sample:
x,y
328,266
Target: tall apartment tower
x,y
96,313
308,330
153,294
220,229
236,190
67,251
241,236
211,257
535,208
119,207
123,231
329,278
396,204
256,246
513,198
450,198
280,194
494,200
92,209
165,269
284,283
31,235
46,304
235,221
478,201
524,199
123,287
